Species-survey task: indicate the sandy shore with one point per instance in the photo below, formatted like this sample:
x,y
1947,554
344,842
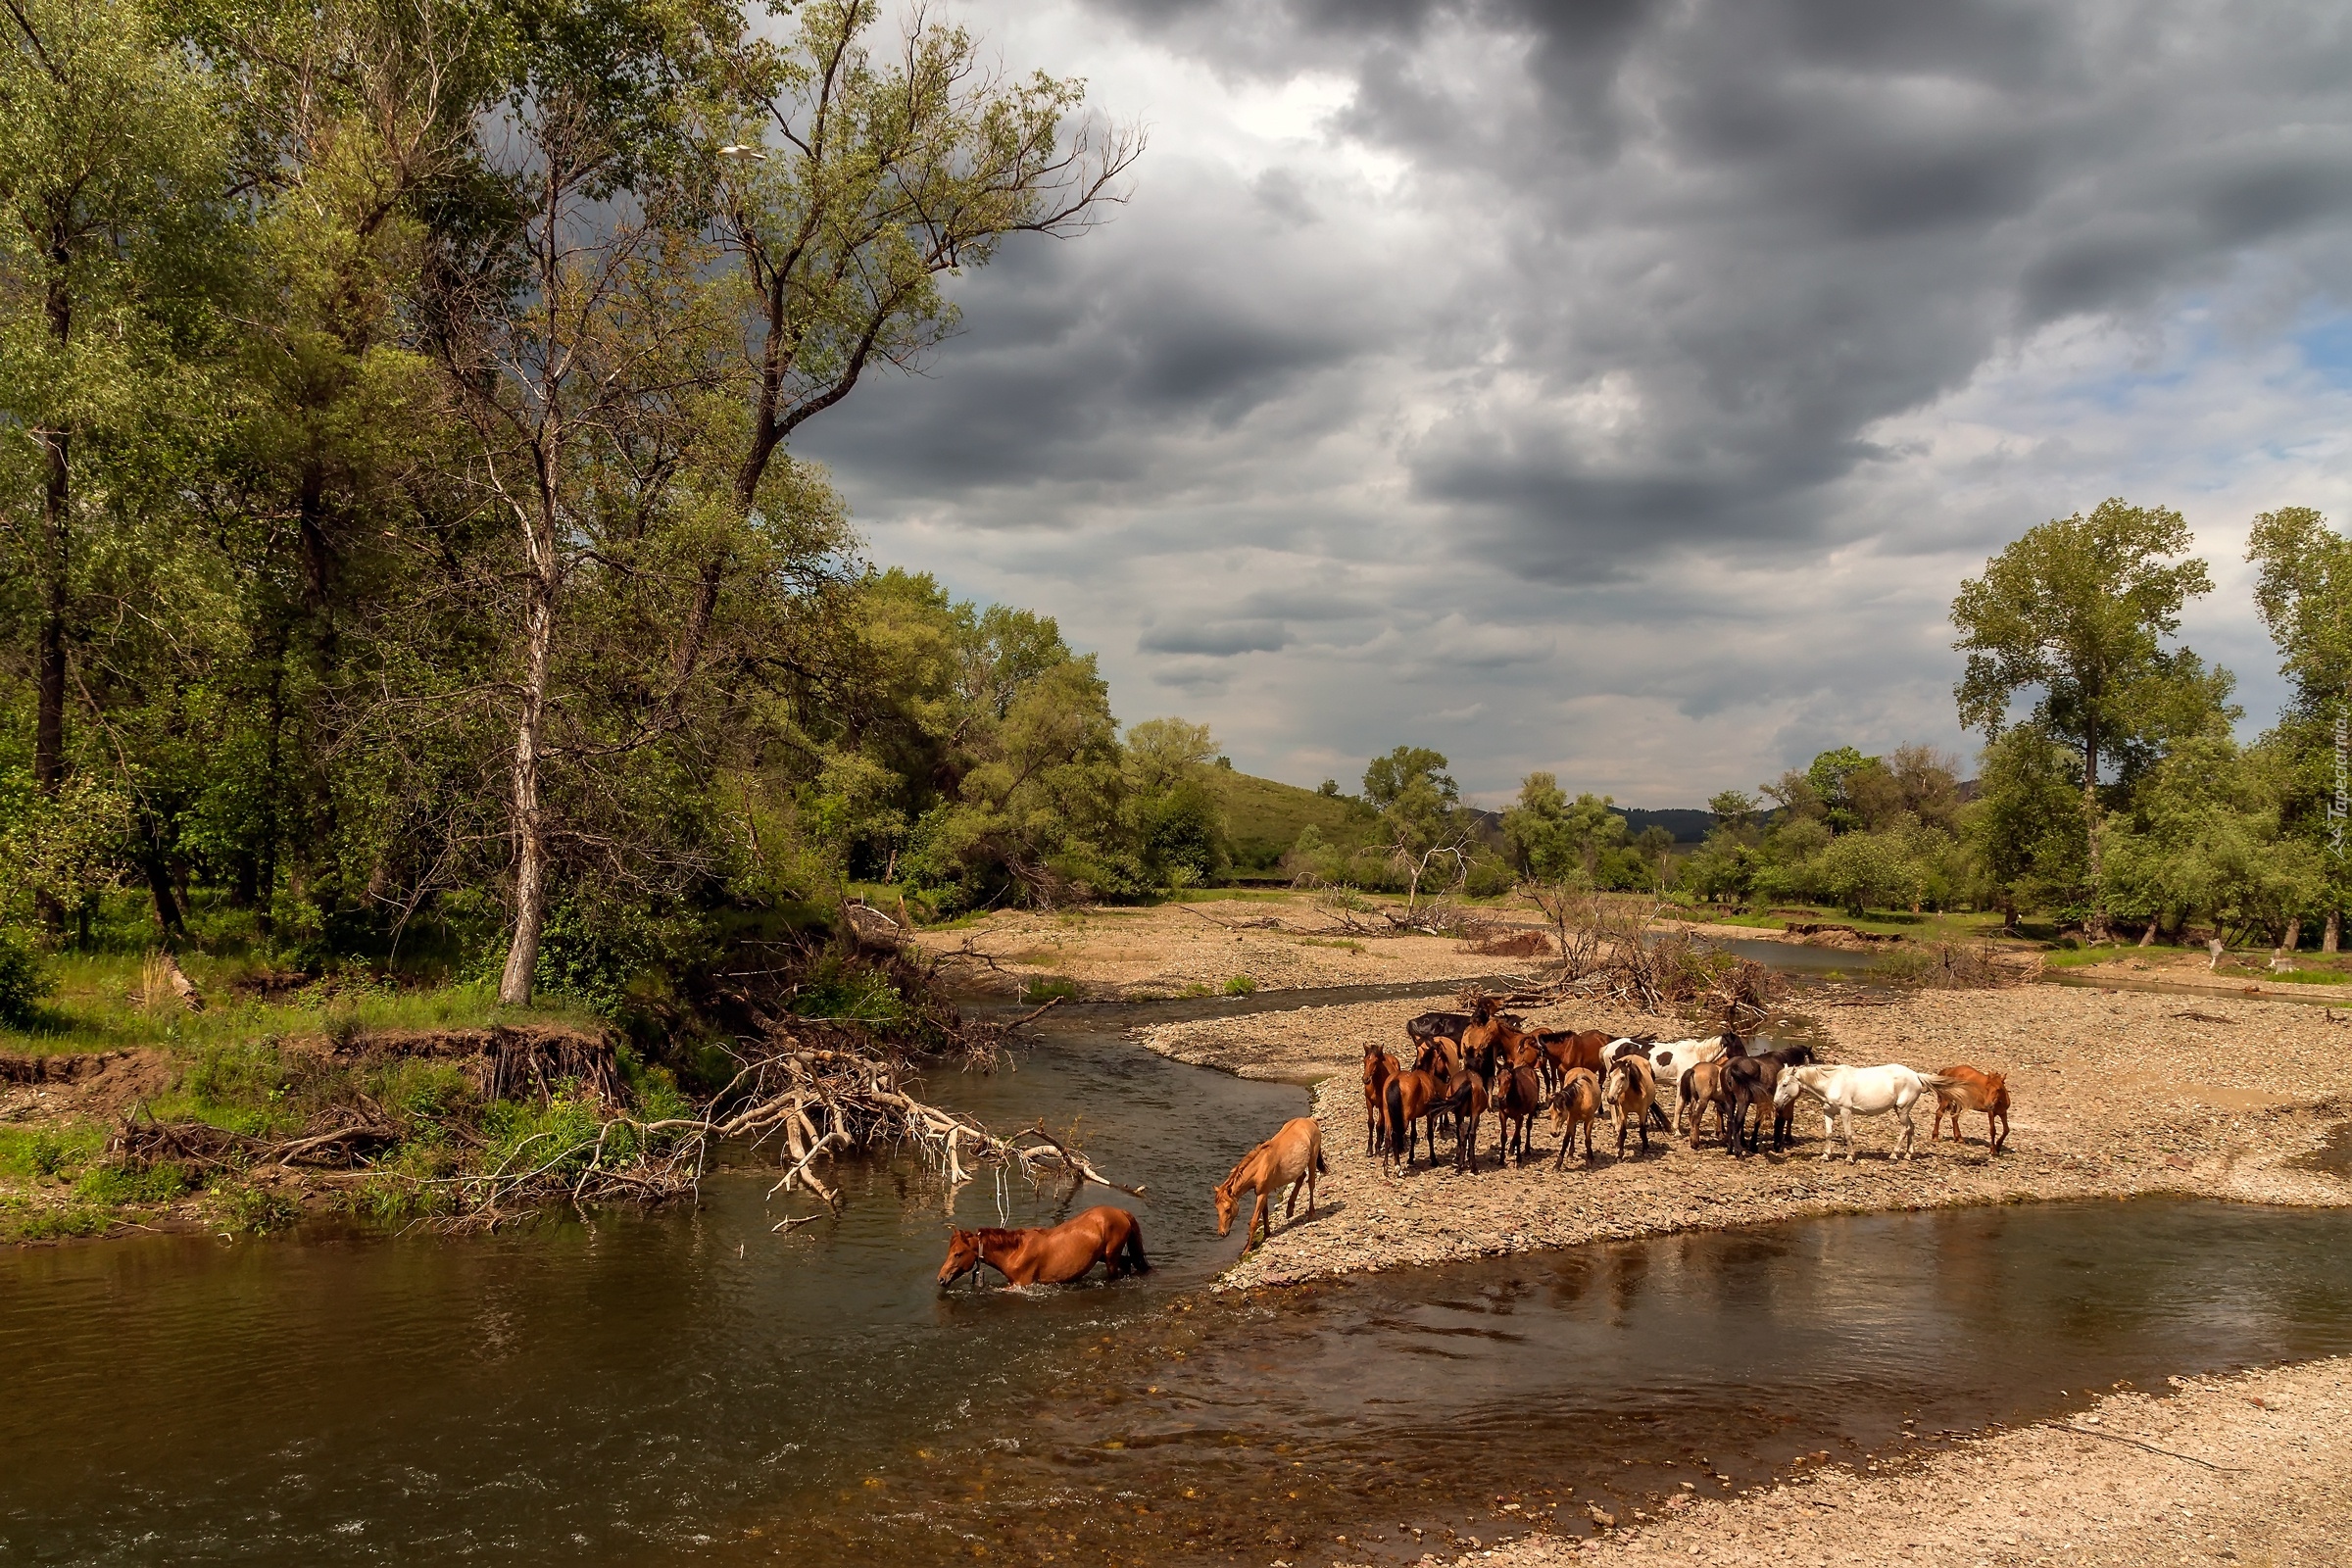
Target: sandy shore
x,y
2117,1094
1176,950
2256,1470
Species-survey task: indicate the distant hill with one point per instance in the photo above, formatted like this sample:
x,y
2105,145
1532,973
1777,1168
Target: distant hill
x,y
1263,817
1687,823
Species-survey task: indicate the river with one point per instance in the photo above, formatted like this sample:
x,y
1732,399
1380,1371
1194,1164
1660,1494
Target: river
x,y
690,1386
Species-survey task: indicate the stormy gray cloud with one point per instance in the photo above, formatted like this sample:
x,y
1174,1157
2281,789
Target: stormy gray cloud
x,y
1623,388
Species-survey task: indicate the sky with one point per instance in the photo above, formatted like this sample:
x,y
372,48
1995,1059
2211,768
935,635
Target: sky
x,y
1622,389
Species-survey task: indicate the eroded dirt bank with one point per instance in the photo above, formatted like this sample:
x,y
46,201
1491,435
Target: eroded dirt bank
x,y
2257,1469
2118,1093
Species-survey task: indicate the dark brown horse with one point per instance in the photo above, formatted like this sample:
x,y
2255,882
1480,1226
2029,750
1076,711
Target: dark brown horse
x,y
1748,1082
1111,1237
1379,1068
1518,1096
1466,1099
1409,1098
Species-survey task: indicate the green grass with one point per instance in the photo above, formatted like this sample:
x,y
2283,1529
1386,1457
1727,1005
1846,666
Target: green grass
x,y
1241,985
98,1008
1042,991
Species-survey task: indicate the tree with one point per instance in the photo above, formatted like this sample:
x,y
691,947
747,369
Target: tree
x,y
1735,810
845,189
2023,827
118,251
2303,591
2078,609
1558,840
578,343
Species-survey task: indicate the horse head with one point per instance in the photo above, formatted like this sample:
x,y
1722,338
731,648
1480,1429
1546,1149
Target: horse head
x,y
1791,1083
1797,1056
964,1256
1229,1204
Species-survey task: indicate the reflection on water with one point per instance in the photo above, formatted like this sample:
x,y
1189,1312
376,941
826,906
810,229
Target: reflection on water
x,y
688,1387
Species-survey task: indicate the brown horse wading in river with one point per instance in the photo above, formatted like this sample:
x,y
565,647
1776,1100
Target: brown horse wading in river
x,y
1104,1235
1293,1157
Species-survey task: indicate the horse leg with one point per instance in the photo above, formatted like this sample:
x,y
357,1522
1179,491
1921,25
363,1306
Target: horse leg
x,y
1828,1131
1261,1225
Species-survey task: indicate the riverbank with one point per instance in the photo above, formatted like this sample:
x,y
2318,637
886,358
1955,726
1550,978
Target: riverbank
x,y
2255,1469
2117,1095
1231,945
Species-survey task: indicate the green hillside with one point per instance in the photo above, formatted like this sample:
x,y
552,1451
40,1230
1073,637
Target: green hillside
x,y
1263,817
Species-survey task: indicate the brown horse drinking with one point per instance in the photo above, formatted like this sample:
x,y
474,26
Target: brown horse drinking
x,y
1293,1157
1104,1235
1971,1089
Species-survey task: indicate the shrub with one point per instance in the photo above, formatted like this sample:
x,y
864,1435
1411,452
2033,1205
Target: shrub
x,y
1042,991
1241,985
25,980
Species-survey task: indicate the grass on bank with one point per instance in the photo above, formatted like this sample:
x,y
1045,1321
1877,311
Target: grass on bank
x,y
101,1004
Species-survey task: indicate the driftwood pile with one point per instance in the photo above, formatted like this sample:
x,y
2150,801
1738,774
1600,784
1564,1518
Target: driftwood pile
x,y
819,1101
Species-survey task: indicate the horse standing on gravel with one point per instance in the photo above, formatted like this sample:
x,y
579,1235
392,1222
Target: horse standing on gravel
x,y
1379,1068
1629,1091
1966,1089
1577,1104
1846,1093
1293,1157
1750,1081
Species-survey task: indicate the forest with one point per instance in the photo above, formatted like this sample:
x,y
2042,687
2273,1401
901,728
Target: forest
x,y
408,568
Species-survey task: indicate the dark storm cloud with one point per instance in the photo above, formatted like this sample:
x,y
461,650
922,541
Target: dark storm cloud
x,y
1221,639
1494,378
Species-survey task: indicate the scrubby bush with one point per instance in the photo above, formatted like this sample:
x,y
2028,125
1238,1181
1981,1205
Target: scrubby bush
x,y
25,980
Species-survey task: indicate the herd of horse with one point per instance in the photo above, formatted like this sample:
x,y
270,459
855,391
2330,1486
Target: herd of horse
x,y
1469,1065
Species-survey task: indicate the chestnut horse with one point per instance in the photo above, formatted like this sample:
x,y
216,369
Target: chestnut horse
x,y
1379,1068
1032,1256
1971,1089
1577,1104
1293,1157
1410,1096
1630,1092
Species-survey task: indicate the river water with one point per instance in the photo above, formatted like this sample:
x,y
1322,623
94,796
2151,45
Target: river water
x,y
691,1387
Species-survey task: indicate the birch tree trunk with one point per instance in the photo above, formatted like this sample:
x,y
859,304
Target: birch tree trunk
x,y
530,821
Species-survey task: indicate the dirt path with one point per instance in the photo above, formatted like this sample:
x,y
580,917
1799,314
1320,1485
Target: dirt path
x,y
2257,1471
1197,950
2117,1094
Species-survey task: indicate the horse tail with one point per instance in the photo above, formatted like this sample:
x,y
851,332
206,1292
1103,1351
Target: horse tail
x,y
1131,1250
1396,1133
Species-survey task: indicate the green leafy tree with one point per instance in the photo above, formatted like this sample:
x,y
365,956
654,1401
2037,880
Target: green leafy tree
x,y
2079,609
2024,828
2303,590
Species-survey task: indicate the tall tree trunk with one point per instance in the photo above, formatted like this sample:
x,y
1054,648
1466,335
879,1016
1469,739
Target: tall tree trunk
x,y
2097,931
2333,936
57,498
531,826
2147,938
2294,934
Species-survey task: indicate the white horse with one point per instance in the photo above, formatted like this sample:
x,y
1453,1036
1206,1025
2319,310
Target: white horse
x,y
1846,1093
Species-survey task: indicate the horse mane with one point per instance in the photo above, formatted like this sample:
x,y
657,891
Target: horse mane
x,y
993,1233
